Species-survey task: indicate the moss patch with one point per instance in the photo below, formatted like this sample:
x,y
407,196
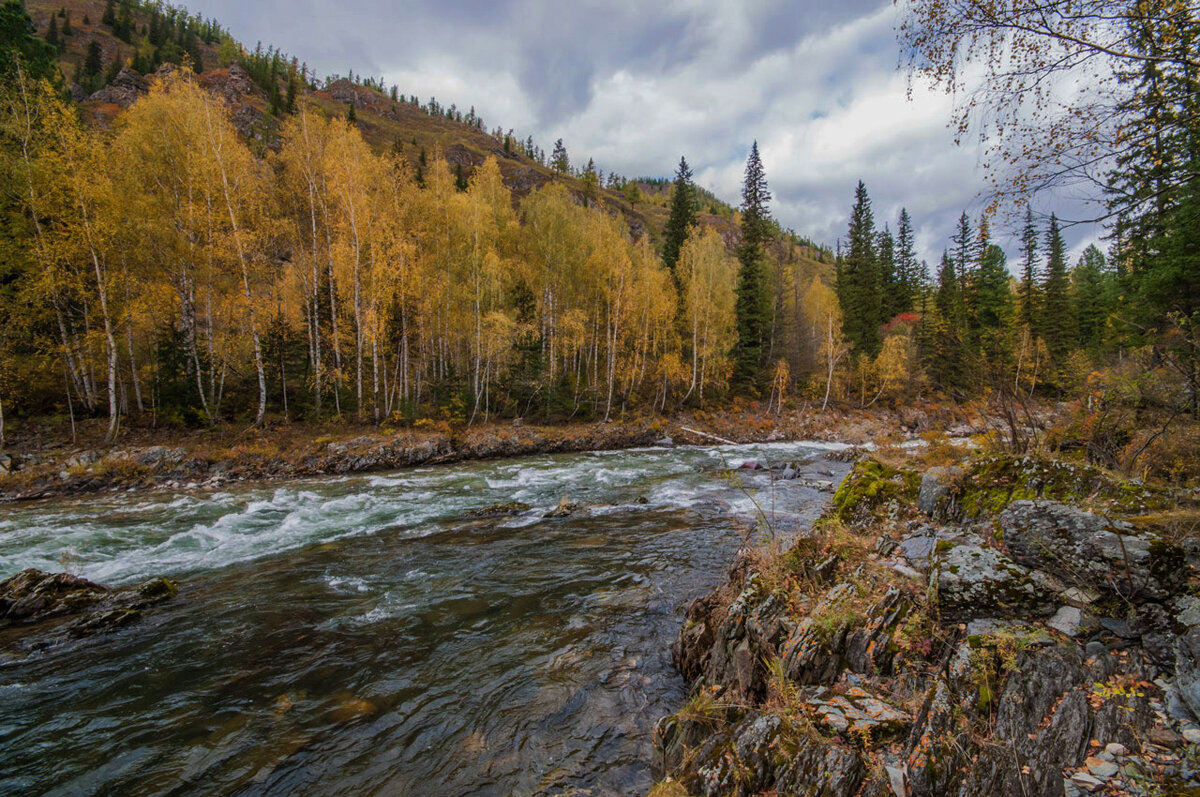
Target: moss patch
x,y
992,483
873,491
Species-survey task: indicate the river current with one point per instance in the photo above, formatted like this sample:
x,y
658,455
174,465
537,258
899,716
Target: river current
x,y
367,635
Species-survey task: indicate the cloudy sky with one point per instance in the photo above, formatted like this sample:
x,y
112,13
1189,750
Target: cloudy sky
x,y
636,84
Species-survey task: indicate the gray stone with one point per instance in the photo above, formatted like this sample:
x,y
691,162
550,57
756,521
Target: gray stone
x,y
1072,621
969,581
858,713
1116,749
936,496
1092,551
1102,769
1191,735
1087,782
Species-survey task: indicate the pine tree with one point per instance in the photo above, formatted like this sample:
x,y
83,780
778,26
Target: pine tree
x,y
907,276
110,14
889,280
351,116
1057,325
946,360
991,302
1090,298
52,33
964,249
66,26
858,282
559,160
591,183
752,308
1027,309
94,63
682,218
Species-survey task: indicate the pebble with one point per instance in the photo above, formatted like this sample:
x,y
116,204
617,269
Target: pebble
x,y
1192,735
1095,650
1102,769
1116,749
1086,781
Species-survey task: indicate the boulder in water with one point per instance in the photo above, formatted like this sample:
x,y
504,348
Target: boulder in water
x,y
38,609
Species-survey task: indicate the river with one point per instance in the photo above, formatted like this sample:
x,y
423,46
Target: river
x,y
367,635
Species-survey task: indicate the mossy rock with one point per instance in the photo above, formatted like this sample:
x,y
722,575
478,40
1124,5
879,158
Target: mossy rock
x,y
873,491
992,483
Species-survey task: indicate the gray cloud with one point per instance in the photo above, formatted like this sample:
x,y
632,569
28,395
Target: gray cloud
x,y
634,85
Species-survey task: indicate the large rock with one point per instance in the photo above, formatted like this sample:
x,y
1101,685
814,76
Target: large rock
x,y
969,581
1092,551
936,496
126,89
40,609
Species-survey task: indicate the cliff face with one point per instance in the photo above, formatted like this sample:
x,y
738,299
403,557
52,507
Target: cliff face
x,y
1000,642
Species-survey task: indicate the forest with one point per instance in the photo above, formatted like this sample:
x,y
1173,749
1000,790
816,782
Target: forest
x,y
169,271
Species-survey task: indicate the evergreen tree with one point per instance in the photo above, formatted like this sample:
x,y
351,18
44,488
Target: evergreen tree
x,y
946,360
859,283
93,65
351,116
19,41
110,14
991,302
889,280
964,249
66,26
1090,298
591,183
1027,309
907,276
752,307
559,160
1057,325
290,102
52,34
682,218
460,178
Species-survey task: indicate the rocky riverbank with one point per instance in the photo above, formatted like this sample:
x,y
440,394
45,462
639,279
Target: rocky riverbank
x,y
33,468
1005,626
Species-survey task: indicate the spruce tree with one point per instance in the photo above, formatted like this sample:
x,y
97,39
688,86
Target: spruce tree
x,y
889,281
946,360
859,283
1090,298
1027,310
907,276
52,33
964,249
752,307
991,302
1057,325
559,160
682,218
110,14
93,65
351,116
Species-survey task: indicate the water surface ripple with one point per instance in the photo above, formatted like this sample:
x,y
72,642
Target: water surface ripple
x,y
366,635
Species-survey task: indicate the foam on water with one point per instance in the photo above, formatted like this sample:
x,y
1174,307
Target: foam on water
x,y
121,539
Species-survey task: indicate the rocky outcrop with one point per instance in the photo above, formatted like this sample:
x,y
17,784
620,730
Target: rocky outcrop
x,y
1053,652
969,580
936,497
126,88
1092,551
38,609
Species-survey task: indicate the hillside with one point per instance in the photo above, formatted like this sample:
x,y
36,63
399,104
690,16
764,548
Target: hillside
x,y
238,75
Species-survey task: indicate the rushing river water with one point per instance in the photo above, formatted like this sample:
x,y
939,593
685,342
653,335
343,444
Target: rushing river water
x,y
365,635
